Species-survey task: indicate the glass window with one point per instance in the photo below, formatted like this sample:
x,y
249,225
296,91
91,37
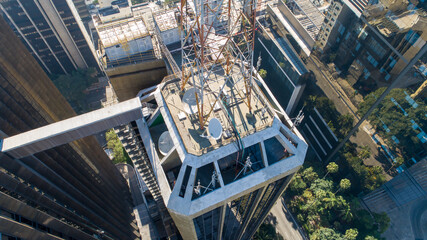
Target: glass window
x,y
357,46
206,180
207,224
275,150
185,181
241,163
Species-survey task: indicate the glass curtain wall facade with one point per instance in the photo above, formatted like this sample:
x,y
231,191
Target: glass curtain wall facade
x,y
72,191
240,218
51,33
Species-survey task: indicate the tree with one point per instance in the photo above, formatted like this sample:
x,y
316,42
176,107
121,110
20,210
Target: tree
x,y
262,73
346,123
393,120
382,220
370,238
344,184
332,167
267,232
119,153
321,184
396,163
309,175
73,86
325,234
364,152
351,234
346,213
374,177
298,184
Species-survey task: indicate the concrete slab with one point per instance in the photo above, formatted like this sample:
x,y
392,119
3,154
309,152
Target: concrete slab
x,y
71,129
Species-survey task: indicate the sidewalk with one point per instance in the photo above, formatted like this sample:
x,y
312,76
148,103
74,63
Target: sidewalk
x,y
284,222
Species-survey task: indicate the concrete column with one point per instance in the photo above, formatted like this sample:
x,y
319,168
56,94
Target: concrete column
x,y
270,205
251,213
296,94
221,221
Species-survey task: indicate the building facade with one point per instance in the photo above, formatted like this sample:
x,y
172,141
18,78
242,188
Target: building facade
x,y
72,191
128,54
53,32
218,186
373,42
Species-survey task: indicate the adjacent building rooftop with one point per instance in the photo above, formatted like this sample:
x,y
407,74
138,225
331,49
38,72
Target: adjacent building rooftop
x,y
118,32
165,20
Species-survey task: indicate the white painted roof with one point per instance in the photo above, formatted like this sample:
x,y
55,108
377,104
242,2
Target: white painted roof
x,y
166,20
122,31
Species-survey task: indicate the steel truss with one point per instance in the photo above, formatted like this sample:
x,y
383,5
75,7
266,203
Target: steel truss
x,y
217,36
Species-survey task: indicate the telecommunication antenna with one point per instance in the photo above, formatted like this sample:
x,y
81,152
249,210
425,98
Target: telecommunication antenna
x,y
298,119
212,185
216,36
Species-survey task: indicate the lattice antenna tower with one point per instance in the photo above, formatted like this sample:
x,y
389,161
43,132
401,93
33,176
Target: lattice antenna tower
x,y
217,36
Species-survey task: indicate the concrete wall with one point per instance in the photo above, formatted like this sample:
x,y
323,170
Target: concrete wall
x,y
128,80
170,36
295,23
140,45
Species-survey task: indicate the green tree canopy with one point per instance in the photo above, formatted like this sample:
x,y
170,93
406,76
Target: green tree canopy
x,y
332,167
309,175
262,73
326,234
364,152
370,238
382,220
267,232
119,153
345,184
351,234
392,122
321,184
73,86
298,184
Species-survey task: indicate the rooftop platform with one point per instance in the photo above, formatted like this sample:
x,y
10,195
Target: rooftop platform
x,y
165,20
122,31
309,16
233,104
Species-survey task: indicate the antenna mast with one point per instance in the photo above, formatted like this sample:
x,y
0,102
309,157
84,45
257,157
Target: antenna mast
x,y
216,36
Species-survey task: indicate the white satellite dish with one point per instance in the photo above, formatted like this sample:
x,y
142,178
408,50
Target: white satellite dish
x,y
215,128
165,143
189,101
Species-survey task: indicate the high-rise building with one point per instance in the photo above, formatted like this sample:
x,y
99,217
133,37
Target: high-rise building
x,y
53,32
215,149
127,49
72,191
374,42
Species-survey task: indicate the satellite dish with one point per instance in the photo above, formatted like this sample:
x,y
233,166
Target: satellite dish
x,y
215,128
165,143
189,101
